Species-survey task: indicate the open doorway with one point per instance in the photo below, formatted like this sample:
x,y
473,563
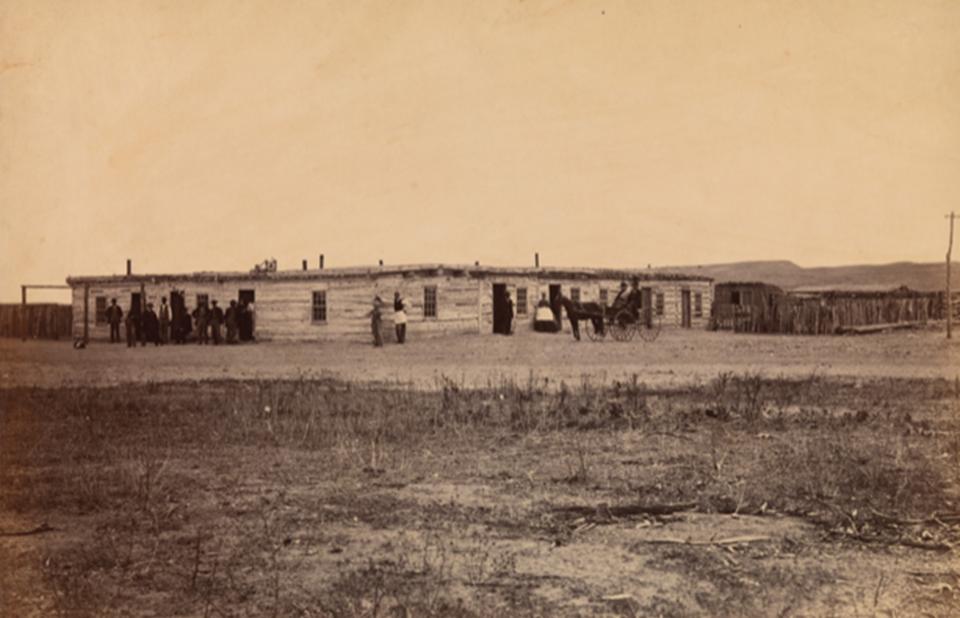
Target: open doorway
x,y
501,315
685,308
555,306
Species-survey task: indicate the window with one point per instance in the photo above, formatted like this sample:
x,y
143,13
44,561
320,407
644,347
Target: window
x,y
203,299
101,310
575,294
521,301
604,296
320,306
735,297
659,303
430,301
698,305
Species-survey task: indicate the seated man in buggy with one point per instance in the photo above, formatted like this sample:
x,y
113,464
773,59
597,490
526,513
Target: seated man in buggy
x,y
628,298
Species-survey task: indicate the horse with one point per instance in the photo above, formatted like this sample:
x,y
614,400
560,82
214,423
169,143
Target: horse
x,y
594,312
597,313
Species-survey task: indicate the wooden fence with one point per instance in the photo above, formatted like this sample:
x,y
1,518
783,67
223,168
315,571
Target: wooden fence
x,y
43,320
830,313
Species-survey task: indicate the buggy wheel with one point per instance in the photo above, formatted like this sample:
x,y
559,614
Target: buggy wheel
x,y
650,330
592,333
622,327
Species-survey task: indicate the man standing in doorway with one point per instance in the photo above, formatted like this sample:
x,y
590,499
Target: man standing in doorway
x,y
132,328
508,318
114,316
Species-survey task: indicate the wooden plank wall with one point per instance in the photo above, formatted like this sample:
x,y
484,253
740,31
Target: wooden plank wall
x,y
43,320
590,292
283,309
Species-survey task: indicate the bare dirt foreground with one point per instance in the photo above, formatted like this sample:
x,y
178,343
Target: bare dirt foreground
x,y
677,357
690,477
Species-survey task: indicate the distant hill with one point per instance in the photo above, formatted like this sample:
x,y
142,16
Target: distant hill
x,y
917,276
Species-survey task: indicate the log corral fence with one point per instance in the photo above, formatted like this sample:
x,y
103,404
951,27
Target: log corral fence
x,y
823,312
36,320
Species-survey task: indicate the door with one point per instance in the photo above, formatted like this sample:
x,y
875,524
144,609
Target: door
x,y
135,304
685,308
555,305
246,321
646,306
500,317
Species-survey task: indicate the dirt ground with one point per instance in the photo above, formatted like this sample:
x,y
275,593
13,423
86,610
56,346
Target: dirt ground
x,y
830,487
677,356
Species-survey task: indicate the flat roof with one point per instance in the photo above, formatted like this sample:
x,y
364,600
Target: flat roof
x,y
457,270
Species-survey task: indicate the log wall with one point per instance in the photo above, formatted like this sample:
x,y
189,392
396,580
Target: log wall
x,y
283,309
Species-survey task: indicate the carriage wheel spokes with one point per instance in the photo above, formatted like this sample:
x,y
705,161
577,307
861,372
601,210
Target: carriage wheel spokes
x,y
622,326
594,334
650,328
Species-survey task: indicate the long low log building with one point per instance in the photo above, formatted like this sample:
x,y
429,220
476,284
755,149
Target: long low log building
x,y
330,303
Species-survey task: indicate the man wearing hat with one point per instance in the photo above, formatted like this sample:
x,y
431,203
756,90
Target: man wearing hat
x,y
114,316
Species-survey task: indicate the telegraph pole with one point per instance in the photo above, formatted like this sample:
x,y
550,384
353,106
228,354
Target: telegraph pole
x,y
951,216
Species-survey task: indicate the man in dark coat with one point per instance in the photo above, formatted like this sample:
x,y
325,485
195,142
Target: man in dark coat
x,y
231,319
216,319
164,316
151,326
201,316
244,321
132,323
114,317
508,318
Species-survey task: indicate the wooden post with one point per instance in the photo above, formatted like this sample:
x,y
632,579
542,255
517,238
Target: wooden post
x,y
321,261
23,311
536,260
949,295
129,267
86,314
143,308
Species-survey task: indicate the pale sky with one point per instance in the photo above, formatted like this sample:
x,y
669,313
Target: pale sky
x,y
203,135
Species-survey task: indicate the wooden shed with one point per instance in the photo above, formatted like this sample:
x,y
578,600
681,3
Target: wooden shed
x,y
333,303
746,306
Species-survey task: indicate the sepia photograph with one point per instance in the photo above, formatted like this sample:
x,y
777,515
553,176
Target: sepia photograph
x,y
499,308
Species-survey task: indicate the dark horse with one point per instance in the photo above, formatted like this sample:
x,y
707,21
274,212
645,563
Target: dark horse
x,y
596,313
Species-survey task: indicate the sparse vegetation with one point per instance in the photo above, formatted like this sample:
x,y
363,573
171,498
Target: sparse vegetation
x,y
318,497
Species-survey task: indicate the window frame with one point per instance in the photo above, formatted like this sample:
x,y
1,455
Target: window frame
x,y
575,294
322,305
206,299
698,304
521,301
430,305
659,303
100,313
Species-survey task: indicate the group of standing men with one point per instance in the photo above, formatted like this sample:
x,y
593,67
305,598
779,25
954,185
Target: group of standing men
x,y
177,325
